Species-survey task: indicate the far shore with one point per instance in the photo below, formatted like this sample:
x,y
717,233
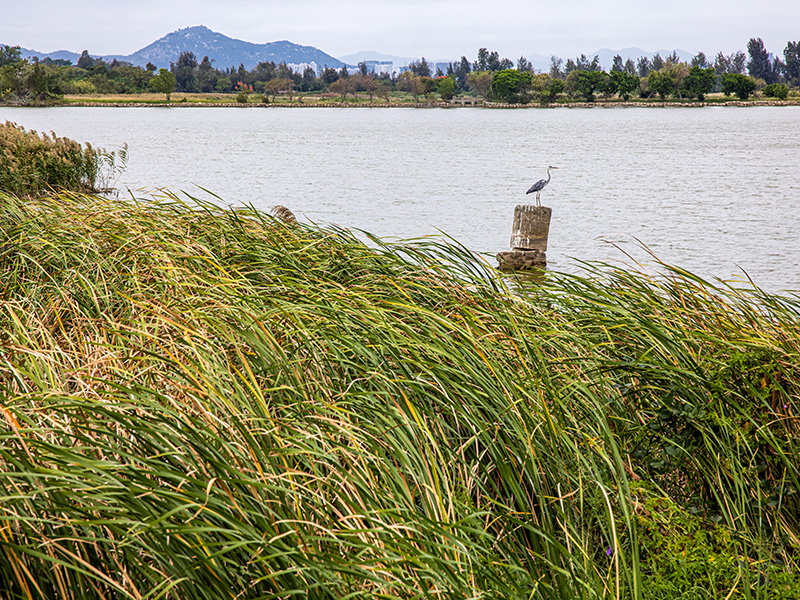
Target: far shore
x,y
327,101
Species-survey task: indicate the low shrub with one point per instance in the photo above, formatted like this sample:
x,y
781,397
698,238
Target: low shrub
x,y
777,90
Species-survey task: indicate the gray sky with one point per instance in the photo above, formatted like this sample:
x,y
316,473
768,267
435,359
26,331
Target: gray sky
x,y
431,28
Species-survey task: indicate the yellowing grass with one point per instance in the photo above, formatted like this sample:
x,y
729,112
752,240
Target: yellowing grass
x,y
201,402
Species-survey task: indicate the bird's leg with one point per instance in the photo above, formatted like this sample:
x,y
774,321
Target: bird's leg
x,y
538,203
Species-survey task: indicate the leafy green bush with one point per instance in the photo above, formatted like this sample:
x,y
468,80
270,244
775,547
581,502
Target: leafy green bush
x,y
684,557
736,83
777,90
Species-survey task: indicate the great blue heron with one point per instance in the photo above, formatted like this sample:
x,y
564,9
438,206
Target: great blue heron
x,y
539,186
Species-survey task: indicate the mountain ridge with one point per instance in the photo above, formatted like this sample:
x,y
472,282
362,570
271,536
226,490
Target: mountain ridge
x,y
228,52
223,50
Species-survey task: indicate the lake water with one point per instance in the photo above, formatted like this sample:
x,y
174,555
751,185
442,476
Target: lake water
x,y
715,190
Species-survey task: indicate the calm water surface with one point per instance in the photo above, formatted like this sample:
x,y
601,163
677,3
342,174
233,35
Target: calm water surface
x,y
715,190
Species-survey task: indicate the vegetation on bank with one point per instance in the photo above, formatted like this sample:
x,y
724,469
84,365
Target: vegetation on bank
x,y
200,402
33,164
489,77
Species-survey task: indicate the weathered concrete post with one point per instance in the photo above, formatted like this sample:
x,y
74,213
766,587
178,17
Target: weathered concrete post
x,y
528,239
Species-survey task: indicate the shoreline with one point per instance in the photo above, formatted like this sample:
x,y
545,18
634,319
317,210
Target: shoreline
x,y
448,105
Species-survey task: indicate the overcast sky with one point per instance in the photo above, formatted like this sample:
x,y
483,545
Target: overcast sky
x,y
431,28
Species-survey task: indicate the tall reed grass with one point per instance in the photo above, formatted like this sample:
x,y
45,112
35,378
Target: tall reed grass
x,y
203,403
33,164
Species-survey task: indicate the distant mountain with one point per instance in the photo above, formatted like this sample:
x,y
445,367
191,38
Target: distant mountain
x,y
57,55
229,52
224,51
541,63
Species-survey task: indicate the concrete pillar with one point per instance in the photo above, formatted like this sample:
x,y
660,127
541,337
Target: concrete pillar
x,y
528,239
531,227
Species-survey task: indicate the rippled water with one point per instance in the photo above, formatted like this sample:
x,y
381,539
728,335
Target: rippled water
x,y
714,190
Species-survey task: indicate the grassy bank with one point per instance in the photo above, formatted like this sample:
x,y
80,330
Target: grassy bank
x,y
206,403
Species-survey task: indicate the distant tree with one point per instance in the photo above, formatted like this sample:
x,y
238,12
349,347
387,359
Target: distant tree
x,y
151,67
460,72
369,84
10,55
736,83
556,69
571,82
284,72
625,83
510,85
677,72
185,71
523,64
481,82
699,82
791,55
553,89
490,61
661,82
206,76
224,84
385,91
263,72
722,64
343,74
243,75
309,81
85,61
630,67
420,67
587,83
329,75
362,68
411,83
582,63
482,64
657,63
738,62
759,65
37,82
607,85
276,86
163,83
617,65
446,86
644,66
700,60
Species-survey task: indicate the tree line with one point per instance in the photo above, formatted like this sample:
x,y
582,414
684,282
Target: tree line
x,y
491,77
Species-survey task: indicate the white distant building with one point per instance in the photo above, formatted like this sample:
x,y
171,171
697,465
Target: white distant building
x,y
300,67
379,66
